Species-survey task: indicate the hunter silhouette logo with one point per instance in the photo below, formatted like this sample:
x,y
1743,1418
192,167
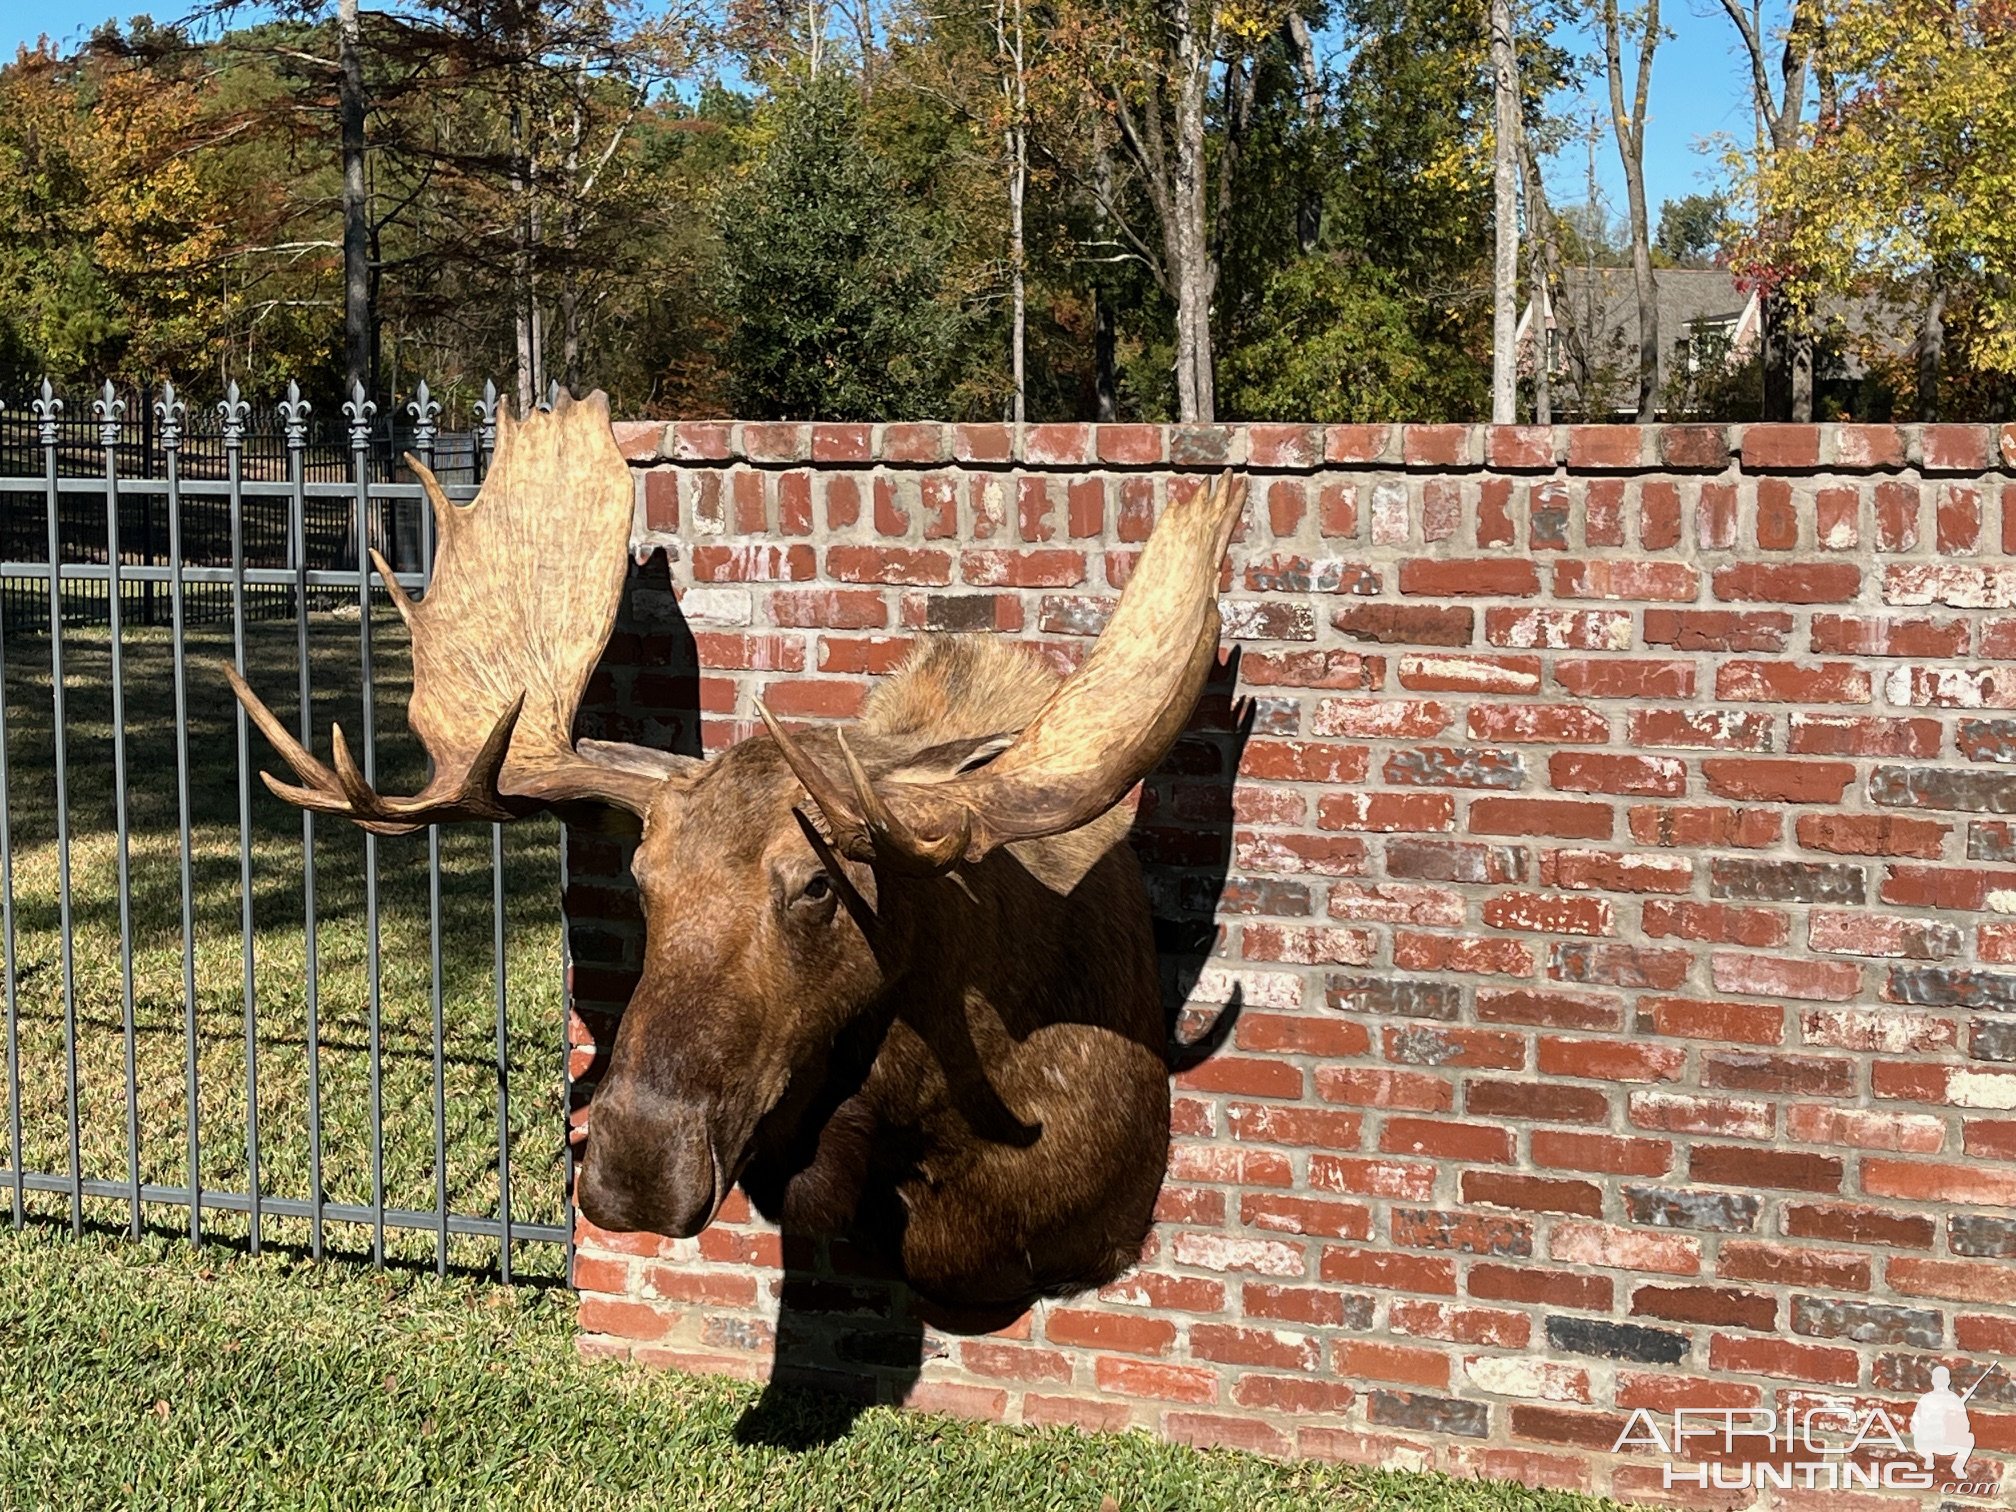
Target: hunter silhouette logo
x,y
1832,1444
1939,1425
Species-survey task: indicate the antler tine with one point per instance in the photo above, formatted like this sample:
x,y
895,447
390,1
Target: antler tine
x,y
893,837
850,827
444,508
318,777
363,797
393,587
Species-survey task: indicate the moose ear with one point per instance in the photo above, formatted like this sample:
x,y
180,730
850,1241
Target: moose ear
x,y
954,757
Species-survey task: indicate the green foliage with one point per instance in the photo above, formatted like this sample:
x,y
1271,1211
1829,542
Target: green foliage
x,y
831,281
1333,343
1693,231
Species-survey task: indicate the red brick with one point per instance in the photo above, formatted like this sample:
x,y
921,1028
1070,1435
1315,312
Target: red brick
x,y
1663,582
1784,1360
1551,724
1305,1216
1037,568
1736,1165
1715,923
1567,1150
1621,677
1757,781
1780,447
1550,915
886,564
1790,682
1386,812
753,562
1718,629
1374,1360
1470,674
1560,817
1687,1018
1496,577
1109,1330
1406,624
1385,1271
1603,772
1873,835
1533,1194
1857,735
1889,635
1955,448
1789,582
1445,1137
1435,445
1605,446
1777,520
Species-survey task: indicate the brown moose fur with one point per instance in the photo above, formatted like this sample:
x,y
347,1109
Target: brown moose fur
x,y
974,1085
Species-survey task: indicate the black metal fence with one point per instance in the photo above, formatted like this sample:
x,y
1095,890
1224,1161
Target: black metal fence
x,y
275,1031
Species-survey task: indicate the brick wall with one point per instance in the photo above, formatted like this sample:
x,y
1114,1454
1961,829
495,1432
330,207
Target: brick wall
x,y
1614,891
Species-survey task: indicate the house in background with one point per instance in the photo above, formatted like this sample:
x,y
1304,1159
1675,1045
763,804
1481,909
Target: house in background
x,y
1710,332
1591,336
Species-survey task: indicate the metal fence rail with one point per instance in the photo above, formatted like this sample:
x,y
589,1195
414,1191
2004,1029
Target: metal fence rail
x,y
123,902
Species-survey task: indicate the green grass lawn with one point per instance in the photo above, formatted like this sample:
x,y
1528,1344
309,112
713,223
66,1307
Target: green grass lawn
x,y
149,1374
161,1042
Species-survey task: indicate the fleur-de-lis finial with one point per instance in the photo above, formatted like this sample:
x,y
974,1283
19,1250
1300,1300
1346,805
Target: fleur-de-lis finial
x,y
110,410
294,416
171,412
46,409
232,411
424,408
360,410
486,417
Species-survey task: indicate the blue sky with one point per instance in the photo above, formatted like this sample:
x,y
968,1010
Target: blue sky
x,y
1699,89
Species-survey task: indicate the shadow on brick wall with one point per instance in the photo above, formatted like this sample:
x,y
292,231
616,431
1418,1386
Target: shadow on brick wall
x,y
847,1335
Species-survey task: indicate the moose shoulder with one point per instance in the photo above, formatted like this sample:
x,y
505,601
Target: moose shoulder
x,y
899,980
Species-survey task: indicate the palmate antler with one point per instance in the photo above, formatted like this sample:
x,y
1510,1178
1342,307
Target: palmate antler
x,y
1103,730
526,584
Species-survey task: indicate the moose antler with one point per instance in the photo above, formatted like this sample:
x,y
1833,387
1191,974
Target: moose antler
x,y
1103,730
526,584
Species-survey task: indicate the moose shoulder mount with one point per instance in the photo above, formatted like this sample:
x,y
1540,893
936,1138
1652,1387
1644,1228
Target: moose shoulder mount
x,y
899,981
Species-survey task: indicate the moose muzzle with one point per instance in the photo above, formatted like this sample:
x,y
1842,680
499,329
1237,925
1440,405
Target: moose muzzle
x,y
653,1164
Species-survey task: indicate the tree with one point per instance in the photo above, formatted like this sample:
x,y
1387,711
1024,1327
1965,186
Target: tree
x,y
1904,190
107,229
1788,333
1336,343
830,281
1693,230
1505,215
1628,123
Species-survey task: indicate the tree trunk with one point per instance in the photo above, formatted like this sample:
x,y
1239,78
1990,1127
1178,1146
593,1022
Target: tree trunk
x,y
358,355
1629,126
1543,263
525,310
1302,48
1505,211
1931,354
1188,234
1105,381
1648,302
1014,85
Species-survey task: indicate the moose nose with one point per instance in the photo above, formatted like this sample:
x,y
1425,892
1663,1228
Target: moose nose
x,y
651,1165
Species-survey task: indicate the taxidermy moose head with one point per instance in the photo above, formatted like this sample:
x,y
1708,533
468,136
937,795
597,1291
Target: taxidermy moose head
x,y
899,979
